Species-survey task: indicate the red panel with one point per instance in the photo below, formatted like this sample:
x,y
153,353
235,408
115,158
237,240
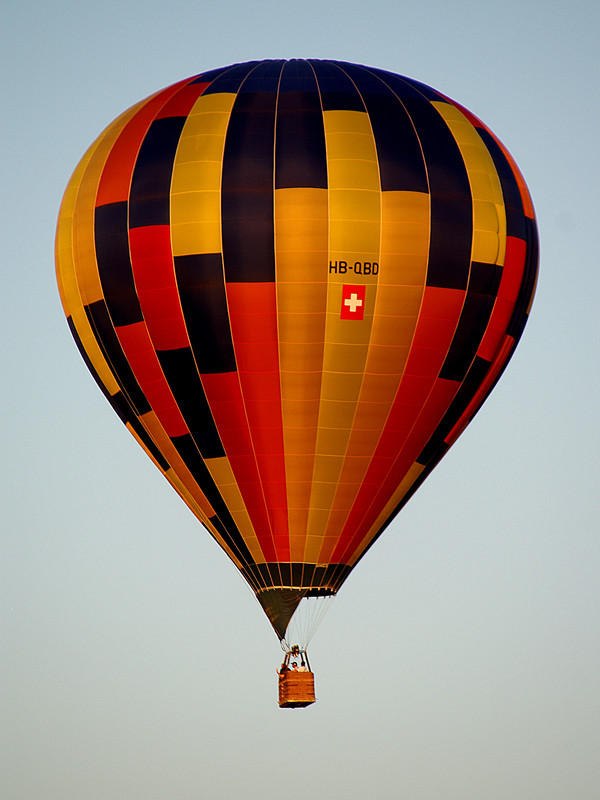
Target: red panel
x,y
514,266
253,318
259,358
251,298
227,406
508,291
438,318
411,396
380,483
116,176
154,275
494,371
181,104
442,303
143,361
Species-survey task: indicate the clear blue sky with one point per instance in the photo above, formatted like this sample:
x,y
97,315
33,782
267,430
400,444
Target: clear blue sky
x,y
461,660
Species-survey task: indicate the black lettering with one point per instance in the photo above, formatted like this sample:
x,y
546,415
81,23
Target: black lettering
x,y
358,268
343,267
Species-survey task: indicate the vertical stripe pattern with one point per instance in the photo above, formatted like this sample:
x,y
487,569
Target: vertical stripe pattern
x,y
296,282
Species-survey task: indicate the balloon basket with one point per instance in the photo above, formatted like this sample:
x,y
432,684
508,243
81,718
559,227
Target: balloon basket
x,y
296,683
296,689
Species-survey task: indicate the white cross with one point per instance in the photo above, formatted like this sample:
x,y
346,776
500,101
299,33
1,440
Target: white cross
x,y
353,302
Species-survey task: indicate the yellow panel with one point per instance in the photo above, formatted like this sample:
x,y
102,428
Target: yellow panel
x,y
402,276
355,205
345,357
193,174
164,444
195,238
394,330
404,208
410,478
341,386
202,147
301,386
301,230
351,174
336,414
313,543
92,350
71,273
300,234
302,298
225,481
196,182
300,356
211,103
188,207
353,240
332,441
325,477
299,442
489,234
84,248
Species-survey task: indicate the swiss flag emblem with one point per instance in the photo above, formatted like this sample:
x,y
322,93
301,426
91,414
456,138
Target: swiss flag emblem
x,y
353,301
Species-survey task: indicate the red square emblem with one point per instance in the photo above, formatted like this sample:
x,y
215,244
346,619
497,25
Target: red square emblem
x,y
353,301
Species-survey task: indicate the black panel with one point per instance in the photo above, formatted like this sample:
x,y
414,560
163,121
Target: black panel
x,y
436,446
318,576
266,579
515,219
201,287
339,573
252,575
264,77
451,204
185,384
472,324
151,180
114,263
285,571
319,581
431,94
405,88
401,164
474,319
297,574
247,185
120,404
338,93
227,80
519,318
188,451
300,157
211,75
108,342
149,444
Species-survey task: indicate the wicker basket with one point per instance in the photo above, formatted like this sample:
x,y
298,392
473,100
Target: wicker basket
x,y
296,689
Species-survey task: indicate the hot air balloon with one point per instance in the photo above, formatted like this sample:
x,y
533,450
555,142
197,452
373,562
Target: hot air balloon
x,y
296,282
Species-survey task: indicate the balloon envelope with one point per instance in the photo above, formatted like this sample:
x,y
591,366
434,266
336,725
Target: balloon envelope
x,y
296,282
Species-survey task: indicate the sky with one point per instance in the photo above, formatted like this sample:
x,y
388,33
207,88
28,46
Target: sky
x,y
461,659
